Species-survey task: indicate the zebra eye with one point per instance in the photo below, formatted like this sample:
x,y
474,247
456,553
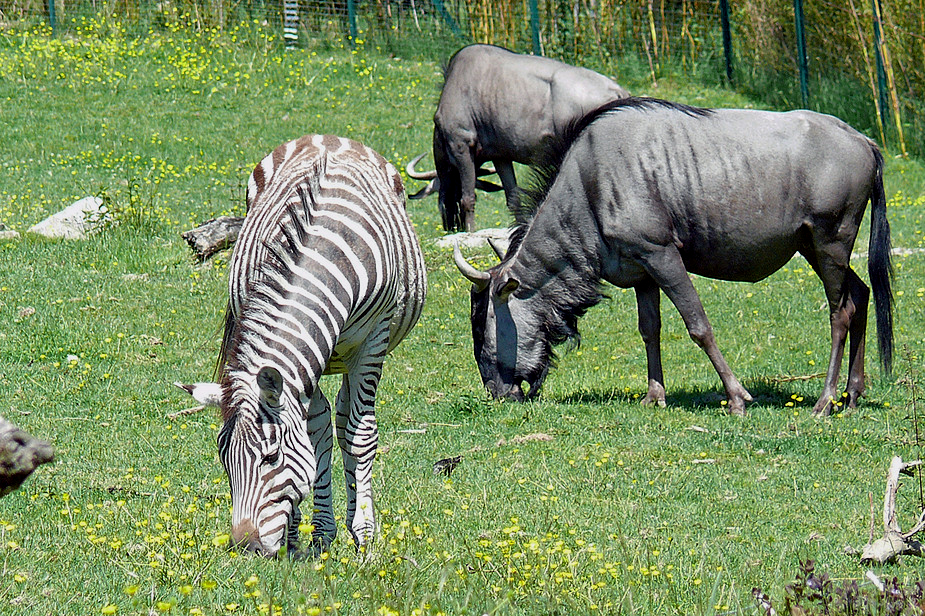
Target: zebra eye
x,y
271,456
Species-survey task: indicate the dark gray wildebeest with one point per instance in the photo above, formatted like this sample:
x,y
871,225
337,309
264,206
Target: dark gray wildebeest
x,y
502,107
647,191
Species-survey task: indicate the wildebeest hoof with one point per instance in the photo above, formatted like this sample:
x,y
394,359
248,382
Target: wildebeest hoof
x,y
650,399
737,410
655,395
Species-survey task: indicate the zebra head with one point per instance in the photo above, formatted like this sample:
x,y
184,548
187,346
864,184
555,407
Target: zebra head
x,y
271,465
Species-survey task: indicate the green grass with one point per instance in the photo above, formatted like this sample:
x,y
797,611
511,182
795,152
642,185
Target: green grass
x,y
614,508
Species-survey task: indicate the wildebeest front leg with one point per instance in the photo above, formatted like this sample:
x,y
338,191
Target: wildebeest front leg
x,y
505,170
650,327
664,264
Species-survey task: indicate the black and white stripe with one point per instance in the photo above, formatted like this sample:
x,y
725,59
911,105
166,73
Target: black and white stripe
x,y
327,277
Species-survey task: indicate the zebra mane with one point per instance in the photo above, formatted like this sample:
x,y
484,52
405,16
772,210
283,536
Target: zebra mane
x,y
281,256
547,170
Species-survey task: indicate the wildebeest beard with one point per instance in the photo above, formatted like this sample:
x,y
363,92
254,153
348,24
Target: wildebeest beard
x,y
558,325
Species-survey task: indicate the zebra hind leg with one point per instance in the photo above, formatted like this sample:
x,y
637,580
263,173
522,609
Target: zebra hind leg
x,y
357,434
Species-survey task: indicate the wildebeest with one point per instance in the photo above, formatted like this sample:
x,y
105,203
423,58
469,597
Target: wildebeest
x,y
502,107
648,191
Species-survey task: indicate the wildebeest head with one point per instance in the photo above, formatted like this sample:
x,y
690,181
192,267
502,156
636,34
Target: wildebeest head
x,y
449,189
266,452
510,341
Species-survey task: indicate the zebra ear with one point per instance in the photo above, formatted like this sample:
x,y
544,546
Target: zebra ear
x,y
270,382
207,394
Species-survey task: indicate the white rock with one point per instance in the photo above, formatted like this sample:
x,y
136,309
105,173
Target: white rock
x,y
476,239
74,221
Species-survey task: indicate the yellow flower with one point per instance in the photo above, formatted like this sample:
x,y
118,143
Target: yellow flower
x,y
109,610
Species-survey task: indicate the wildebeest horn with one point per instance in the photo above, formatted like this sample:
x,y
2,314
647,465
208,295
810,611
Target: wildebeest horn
x,y
478,278
430,189
419,175
487,186
498,248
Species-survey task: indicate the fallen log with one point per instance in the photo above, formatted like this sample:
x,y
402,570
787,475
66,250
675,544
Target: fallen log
x,y
894,542
20,454
213,235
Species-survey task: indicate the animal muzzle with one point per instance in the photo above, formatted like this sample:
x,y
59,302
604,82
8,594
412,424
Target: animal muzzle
x,y
245,536
505,391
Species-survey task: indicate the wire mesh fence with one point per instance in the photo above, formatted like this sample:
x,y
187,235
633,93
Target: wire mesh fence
x,y
865,58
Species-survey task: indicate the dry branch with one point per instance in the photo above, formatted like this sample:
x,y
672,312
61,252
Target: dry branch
x,y
213,235
894,542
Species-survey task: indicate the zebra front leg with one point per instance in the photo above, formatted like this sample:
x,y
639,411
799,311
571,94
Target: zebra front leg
x,y
358,435
321,434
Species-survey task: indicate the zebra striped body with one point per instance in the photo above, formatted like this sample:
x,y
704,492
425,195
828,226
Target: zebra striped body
x,y
326,278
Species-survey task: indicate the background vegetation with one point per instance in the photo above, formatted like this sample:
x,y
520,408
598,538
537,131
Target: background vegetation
x,y
639,40
581,502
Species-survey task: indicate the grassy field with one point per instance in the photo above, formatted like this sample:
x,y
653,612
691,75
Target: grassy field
x,y
581,502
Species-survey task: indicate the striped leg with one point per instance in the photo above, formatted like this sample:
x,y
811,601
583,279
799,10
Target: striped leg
x,y
358,435
321,434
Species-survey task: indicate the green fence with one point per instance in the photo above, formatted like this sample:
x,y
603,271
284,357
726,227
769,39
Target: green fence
x,y
862,60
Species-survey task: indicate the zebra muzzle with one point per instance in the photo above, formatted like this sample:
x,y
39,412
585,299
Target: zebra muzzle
x,y
245,535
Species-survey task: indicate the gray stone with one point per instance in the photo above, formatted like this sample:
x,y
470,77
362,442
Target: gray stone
x,y
75,221
476,239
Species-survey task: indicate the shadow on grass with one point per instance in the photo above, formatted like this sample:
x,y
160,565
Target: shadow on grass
x,y
765,392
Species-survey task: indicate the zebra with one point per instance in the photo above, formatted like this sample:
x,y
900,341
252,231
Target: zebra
x,y
327,277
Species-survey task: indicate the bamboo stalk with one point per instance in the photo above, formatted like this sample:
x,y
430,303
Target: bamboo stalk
x,y
870,70
890,79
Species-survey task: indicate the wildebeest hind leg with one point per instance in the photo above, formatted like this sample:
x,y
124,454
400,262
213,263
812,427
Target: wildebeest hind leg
x,y
859,295
650,326
848,316
664,264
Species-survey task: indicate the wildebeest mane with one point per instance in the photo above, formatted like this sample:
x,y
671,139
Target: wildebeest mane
x,y
545,173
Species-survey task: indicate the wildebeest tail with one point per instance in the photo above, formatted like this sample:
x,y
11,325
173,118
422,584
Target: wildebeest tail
x,y
880,268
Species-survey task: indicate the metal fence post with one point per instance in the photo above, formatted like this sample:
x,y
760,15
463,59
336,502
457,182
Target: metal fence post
x,y
535,27
447,18
727,38
352,19
51,17
802,58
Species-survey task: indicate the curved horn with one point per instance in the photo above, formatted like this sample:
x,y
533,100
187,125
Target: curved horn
x,y
419,175
476,277
487,186
432,187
